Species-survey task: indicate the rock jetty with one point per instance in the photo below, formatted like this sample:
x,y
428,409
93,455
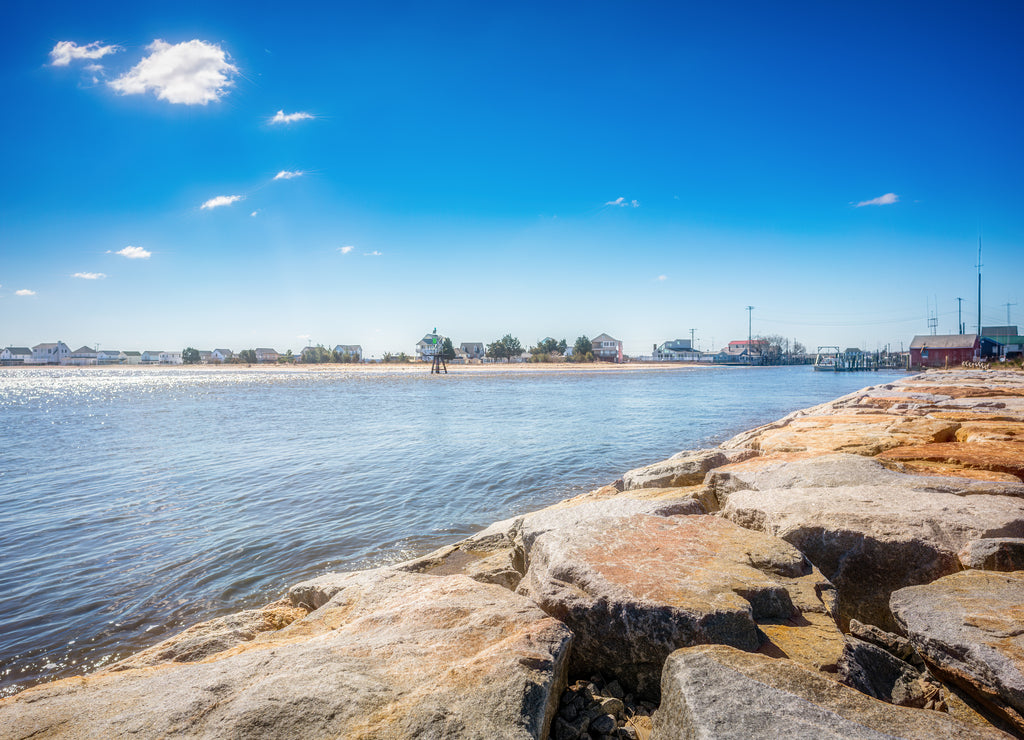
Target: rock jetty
x,y
853,570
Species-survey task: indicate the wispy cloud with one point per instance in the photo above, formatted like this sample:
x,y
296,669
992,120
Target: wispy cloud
x,y
254,214
622,202
65,52
346,250
282,117
24,291
89,275
661,278
191,73
288,175
881,200
374,253
134,253
220,200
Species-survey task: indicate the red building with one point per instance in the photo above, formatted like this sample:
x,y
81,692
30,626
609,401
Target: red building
x,y
944,350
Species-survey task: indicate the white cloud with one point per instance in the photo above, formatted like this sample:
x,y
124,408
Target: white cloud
x,y
221,200
64,52
881,200
24,292
254,214
134,253
662,278
89,275
374,253
193,73
346,250
282,117
622,202
288,175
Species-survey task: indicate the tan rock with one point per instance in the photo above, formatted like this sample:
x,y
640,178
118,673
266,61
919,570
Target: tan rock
x,y
714,691
389,654
683,469
1001,457
872,540
970,628
635,588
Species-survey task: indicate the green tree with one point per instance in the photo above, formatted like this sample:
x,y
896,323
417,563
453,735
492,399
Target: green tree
x,y
513,347
315,355
287,357
247,356
582,348
495,350
388,357
190,356
447,350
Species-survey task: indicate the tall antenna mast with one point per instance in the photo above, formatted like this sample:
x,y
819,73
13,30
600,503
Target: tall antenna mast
x,y
1008,311
959,315
979,285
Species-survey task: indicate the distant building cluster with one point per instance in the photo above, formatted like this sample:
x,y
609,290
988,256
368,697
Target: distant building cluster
x,y
58,353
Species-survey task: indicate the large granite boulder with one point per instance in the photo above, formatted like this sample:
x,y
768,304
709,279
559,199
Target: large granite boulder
x,y
970,628
715,692
388,654
872,540
682,469
635,588
838,469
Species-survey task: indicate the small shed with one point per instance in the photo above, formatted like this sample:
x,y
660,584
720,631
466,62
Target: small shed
x,y
944,350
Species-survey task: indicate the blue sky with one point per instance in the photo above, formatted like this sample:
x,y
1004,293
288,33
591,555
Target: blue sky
x,y
540,169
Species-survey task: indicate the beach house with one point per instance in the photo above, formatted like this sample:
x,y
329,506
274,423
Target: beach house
x,y
676,350
472,350
606,348
221,355
265,354
171,358
55,353
354,351
110,357
427,347
15,356
84,355
1009,338
151,357
132,357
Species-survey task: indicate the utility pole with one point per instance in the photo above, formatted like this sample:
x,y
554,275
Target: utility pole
x,y
691,338
750,315
1008,312
959,316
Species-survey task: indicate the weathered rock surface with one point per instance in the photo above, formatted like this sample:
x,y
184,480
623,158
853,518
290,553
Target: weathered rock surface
x,y
874,671
388,654
993,455
970,628
872,540
635,588
719,693
216,635
838,469
998,553
683,469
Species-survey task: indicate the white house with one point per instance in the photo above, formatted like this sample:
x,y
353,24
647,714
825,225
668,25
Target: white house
x,y
265,354
473,350
51,354
355,351
131,357
15,355
151,356
221,355
607,348
170,358
110,357
84,355
429,346
676,350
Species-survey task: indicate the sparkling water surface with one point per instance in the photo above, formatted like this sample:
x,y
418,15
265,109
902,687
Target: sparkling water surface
x,y
137,501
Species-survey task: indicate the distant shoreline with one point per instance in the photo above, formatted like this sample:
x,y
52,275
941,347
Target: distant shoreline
x,y
418,367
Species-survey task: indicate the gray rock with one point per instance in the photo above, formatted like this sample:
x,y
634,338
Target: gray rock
x,y
872,540
682,469
878,673
719,693
633,589
997,553
970,629
840,469
888,641
390,654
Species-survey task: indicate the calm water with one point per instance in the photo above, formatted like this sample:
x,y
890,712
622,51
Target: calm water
x,y
134,502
